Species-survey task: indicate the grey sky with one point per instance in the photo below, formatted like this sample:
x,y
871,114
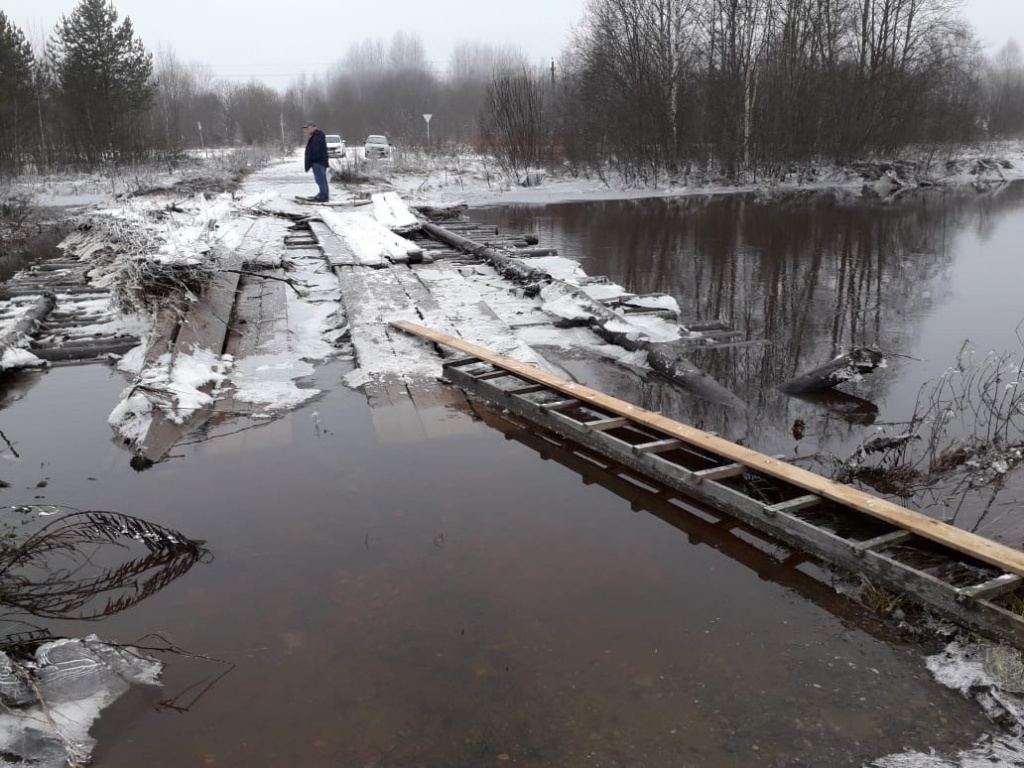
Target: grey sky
x,y
240,39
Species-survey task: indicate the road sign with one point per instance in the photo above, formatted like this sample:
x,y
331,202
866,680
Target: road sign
x,y
427,116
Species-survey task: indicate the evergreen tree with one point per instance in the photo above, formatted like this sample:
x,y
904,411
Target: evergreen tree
x,y
104,75
15,93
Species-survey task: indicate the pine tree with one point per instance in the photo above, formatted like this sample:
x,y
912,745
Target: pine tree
x,y
15,92
104,75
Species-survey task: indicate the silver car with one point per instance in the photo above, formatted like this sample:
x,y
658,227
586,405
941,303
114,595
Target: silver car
x,y
335,145
376,147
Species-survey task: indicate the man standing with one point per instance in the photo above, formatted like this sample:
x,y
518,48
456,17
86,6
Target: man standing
x,y
316,158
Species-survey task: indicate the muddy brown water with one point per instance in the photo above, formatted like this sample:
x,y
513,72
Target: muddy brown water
x,y
382,599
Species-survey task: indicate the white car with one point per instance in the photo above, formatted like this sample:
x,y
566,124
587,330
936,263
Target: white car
x,y
335,145
376,146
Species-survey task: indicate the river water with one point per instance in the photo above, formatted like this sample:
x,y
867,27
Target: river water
x,y
451,595
932,280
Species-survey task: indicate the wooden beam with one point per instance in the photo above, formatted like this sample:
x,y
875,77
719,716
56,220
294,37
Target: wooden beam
x,y
983,549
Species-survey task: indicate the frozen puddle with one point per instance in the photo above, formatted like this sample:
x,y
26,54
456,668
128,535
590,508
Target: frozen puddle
x,y
992,675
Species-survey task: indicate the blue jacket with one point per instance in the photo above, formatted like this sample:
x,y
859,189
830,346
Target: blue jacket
x,y
316,149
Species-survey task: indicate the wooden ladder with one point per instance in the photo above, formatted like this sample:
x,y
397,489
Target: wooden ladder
x,y
962,575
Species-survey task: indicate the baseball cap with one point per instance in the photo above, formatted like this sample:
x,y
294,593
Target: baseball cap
x,y
309,123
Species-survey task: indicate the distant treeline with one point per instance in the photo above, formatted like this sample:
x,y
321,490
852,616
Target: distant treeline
x,y
649,87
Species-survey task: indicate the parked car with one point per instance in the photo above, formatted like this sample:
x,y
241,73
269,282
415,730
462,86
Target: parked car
x,y
376,146
335,145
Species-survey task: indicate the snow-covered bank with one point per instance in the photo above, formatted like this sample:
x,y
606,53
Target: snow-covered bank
x,y
993,676
473,179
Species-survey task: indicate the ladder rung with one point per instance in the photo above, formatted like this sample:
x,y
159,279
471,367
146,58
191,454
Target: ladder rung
x,y
558,405
463,361
800,502
1000,585
881,542
492,375
526,390
657,446
718,473
601,425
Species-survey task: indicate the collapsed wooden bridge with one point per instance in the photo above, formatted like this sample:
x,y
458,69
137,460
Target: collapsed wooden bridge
x,y
973,580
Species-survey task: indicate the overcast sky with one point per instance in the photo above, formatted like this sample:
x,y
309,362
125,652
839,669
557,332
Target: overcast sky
x,y
240,39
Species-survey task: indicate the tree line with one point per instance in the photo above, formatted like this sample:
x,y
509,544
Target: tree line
x,y
675,86
650,87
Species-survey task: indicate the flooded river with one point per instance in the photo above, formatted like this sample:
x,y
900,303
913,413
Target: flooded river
x,y
458,595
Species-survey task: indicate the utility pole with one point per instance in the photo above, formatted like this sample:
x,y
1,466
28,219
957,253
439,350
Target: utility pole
x,y
552,75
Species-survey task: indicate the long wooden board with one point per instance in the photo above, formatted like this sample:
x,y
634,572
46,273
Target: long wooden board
x,y
968,543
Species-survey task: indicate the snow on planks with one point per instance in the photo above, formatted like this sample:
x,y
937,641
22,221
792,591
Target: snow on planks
x,y
391,211
354,238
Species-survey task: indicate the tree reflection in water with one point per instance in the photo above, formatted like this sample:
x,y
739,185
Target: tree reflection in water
x,y
57,563
813,275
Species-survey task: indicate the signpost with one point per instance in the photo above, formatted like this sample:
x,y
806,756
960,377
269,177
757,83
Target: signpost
x,y
427,117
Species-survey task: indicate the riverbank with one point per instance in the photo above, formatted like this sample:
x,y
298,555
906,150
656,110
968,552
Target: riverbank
x,y
476,180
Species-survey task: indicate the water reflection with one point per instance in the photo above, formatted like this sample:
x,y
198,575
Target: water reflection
x,y
814,275
769,559
59,563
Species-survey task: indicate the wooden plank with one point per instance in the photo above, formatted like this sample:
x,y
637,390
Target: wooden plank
x,y
337,252
392,212
971,544
206,324
368,239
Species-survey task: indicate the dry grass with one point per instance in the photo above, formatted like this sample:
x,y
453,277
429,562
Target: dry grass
x,y
965,436
878,599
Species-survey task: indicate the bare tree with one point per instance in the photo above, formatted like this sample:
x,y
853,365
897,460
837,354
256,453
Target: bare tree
x,y
514,121
1005,108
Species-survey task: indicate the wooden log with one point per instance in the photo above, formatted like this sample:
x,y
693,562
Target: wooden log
x,y
855,363
99,348
507,266
850,408
669,360
27,322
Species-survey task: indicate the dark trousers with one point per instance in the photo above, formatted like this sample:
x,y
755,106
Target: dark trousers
x,y
320,174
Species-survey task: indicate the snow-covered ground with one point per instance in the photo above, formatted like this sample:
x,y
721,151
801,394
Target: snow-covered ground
x,y
469,178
